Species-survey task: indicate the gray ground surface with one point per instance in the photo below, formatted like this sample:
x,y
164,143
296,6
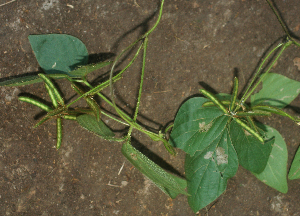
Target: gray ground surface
x,y
198,44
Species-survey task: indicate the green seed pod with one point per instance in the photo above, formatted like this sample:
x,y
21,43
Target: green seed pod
x,y
234,93
36,103
250,130
52,88
59,133
214,100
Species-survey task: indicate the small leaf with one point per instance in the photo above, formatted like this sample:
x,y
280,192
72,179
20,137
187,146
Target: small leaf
x,y
208,170
91,124
195,127
168,183
277,91
253,155
275,172
294,172
58,53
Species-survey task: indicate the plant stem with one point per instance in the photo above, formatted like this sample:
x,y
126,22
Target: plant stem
x,y
141,86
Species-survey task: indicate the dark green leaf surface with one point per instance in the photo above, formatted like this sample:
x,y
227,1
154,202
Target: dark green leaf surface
x,y
277,91
167,182
275,173
195,127
294,172
58,53
90,123
208,170
253,155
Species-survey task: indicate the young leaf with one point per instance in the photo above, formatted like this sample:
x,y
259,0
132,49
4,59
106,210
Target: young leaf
x,y
91,124
253,155
277,91
294,172
275,172
195,127
208,170
168,183
58,53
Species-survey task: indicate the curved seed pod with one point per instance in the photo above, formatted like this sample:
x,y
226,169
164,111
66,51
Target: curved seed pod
x,y
274,110
36,103
250,121
59,132
51,95
253,113
234,93
52,88
43,120
250,130
214,100
210,103
90,101
57,111
70,117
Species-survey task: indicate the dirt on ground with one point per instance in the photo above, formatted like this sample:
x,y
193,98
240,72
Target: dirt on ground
x,y
198,44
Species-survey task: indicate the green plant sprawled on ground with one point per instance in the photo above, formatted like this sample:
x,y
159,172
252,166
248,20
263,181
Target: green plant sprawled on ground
x,y
217,132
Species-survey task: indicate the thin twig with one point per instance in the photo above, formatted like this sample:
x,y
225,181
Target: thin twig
x,y
7,3
121,168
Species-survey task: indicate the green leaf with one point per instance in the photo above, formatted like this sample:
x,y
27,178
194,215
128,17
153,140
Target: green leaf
x,y
85,70
253,155
275,172
277,91
91,124
58,53
208,170
294,172
195,127
168,183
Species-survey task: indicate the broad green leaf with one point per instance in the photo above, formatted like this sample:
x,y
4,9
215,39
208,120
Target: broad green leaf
x,y
91,124
294,172
85,70
167,182
277,91
275,172
195,127
58,53
27,80
253,155
208,170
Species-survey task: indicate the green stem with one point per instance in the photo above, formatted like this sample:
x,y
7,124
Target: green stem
x,y
141,87
268,70
94,90
279,19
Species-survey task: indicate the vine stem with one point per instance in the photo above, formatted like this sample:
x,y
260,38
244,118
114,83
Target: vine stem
x,y
141,86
